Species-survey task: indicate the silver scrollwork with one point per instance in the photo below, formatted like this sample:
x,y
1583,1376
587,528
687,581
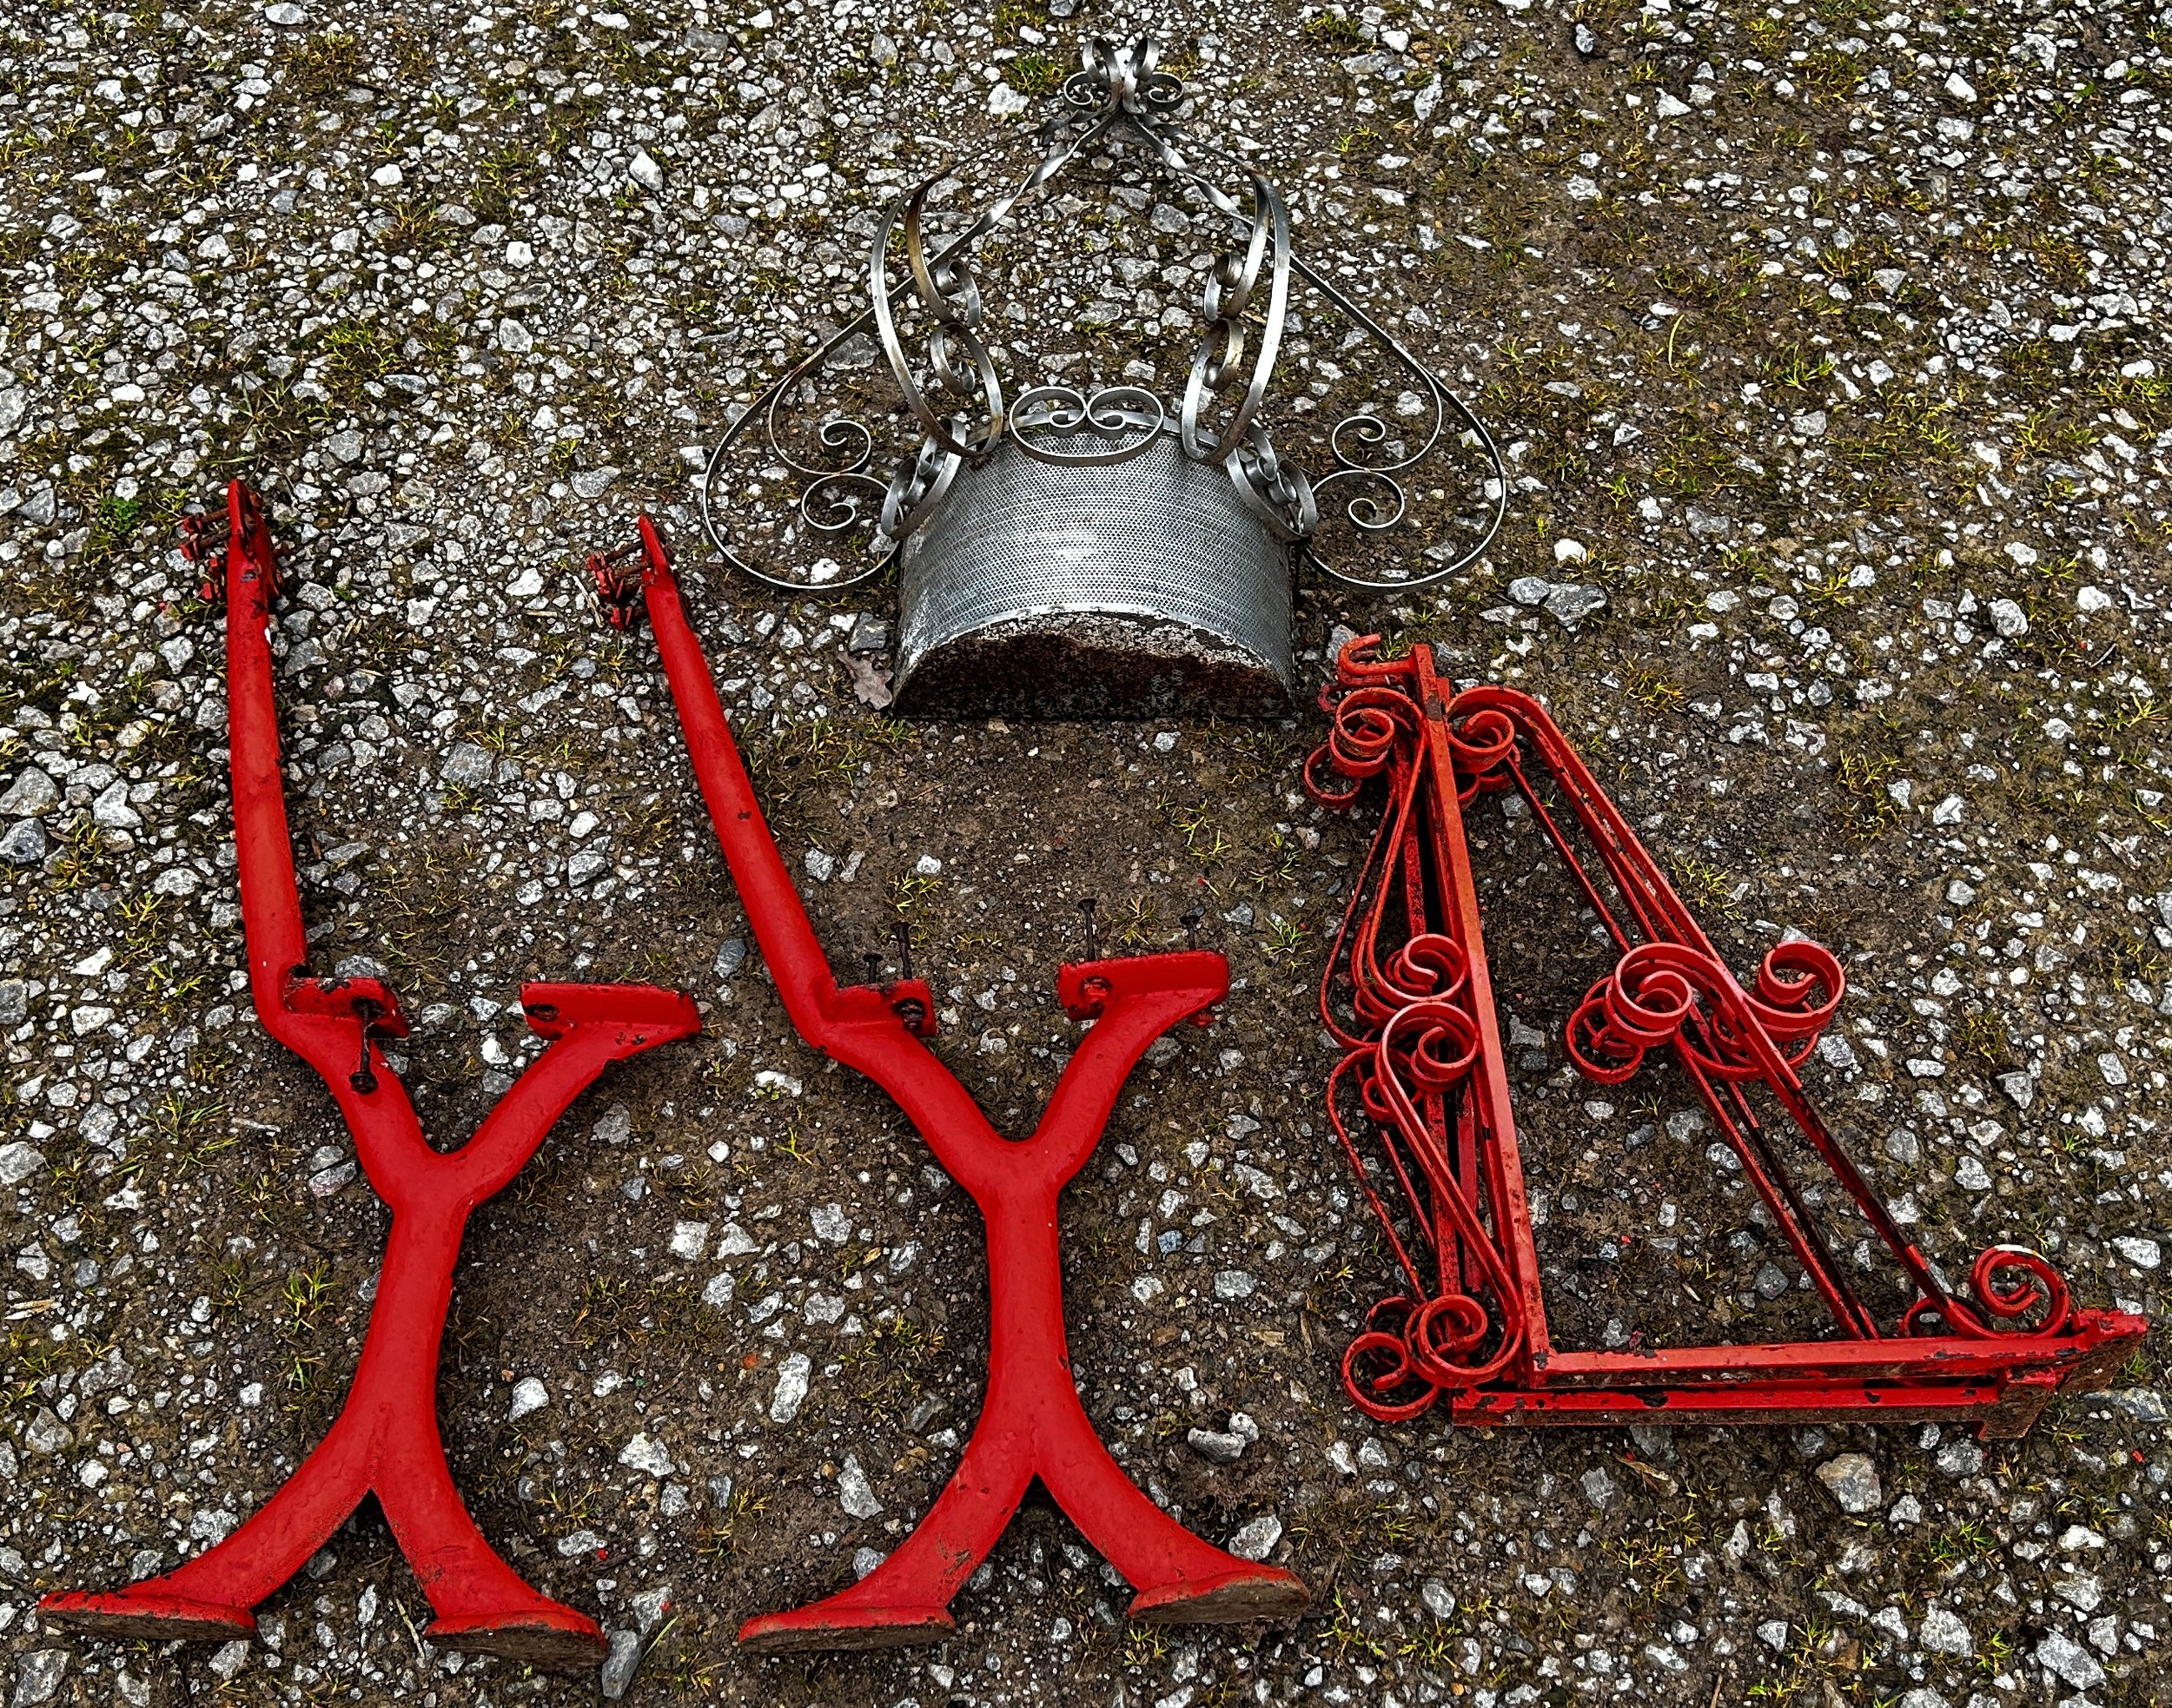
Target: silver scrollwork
x,y
954,396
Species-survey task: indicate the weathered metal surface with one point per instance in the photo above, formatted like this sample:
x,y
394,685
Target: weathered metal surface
x,y
1422,1090
385,1441
1032,1424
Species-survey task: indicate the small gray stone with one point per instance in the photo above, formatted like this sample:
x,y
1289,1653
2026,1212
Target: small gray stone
x,y
229,1660
644,171
1439,1602
791,1388
2147,1404
45,1433
1572,604
18,1161
1256,1540
644,1453
1961,1458
619,1665
820,866
1215,1446
2061,1655
650,1606
25,843
731,957
1653,1441
613,1126
38,1677
1944,1633
1233,1284
853,1492
1530,589
1851,1479
111,810
467,766
1598,1487
528,1395
31,796
2008,619
869,634
592,483
2020,1089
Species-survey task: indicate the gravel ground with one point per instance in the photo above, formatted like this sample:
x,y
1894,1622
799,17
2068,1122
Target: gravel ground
x,y
1824,341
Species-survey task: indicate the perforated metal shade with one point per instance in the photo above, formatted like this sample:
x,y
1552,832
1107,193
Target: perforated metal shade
x,y
1123,589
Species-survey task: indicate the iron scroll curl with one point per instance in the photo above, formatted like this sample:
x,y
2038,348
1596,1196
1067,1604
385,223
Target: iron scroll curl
x,y
954,399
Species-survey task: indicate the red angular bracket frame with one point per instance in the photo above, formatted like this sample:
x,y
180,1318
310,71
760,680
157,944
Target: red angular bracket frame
x,y
385,1441
1032,1423
1407,995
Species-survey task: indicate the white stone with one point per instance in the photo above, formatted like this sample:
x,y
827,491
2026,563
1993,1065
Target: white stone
x,y
853,1492
1256,1541
2143,1254
644,171
31,796
2008,619
689,1239
528,1395
387,175
2061,1656
832,1223
644,1453
112,810
1942,1633
791,1388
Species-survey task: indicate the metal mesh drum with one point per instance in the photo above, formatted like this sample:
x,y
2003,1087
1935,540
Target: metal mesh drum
x,y
1126,589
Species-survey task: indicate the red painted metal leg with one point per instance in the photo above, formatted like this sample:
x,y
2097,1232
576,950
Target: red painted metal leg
x,y
385,1441
906,1598
1031,1423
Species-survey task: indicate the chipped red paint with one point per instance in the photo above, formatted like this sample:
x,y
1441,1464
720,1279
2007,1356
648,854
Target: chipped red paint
x,y
1407,995
385,1441
1032,1423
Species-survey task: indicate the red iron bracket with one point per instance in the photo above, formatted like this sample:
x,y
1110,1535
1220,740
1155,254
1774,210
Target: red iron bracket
x,y
1423,1082
385,1441
1031,1423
